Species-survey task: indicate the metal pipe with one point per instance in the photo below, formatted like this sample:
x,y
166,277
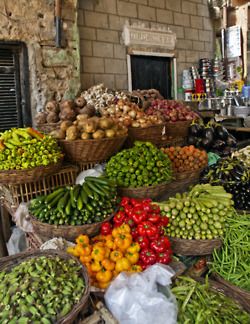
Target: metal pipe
x,y
58,22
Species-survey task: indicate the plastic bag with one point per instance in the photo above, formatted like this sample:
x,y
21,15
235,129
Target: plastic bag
x,y
22,219
17,241
136,299
95,172
57,243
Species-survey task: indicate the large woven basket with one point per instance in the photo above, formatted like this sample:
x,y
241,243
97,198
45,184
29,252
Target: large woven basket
x,y
93,150
67,232
148,134
194,247
152,192
177,129
28,175
8,263
236,291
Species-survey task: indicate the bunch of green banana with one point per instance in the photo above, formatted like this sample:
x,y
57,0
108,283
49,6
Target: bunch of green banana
x,y
77,205
40,290
24,148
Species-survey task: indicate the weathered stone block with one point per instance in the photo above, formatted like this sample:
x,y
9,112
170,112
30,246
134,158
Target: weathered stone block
x,y
102,49
93,65
140,1
205,35
198,46
121,81
157,3
178,30
107,36
184,44
191,33
116,22
120,51
174,5
107,79
127,9
107,6
87,33
86,48
208,24
196,22
202,10
146,13
181,19
56,57
86,4
192,57
115,66
164,16
96,19
87,80
189,7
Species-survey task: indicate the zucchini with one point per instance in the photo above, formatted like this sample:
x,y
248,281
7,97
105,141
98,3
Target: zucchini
x,y
79,203
63,201
84,196
96,189
68,207
87,190
54,202
52,195
72,198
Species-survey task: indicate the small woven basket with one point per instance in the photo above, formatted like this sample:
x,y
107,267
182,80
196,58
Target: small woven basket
x,y
28,175
177,129
152,192
93,150
8,263
67,232
194,247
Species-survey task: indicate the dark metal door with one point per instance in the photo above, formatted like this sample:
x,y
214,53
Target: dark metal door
x,y
151,72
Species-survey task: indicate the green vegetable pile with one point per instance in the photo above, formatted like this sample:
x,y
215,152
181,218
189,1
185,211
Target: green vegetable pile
x,y
40,290
198,304
232,262
25,148
141,165
198,214
78,205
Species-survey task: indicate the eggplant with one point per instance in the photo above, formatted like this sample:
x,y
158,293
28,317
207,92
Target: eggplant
x,y
206,143
231,141
221,132
219,144
208,133
192,140
195,129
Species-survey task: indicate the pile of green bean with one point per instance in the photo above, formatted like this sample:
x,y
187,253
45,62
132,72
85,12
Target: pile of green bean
x,y
232,262
197,304
40,290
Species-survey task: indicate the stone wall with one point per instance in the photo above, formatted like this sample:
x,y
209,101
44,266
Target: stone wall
x,y
54,72
103,55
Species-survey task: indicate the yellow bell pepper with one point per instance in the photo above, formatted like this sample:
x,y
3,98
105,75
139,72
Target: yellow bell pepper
x,y
98,253
123,241
104,275
134,247
95,266
135,268
122,264
73,251
103,285
85,258
83,249
124,228
116,255
108,264
82,239
132,257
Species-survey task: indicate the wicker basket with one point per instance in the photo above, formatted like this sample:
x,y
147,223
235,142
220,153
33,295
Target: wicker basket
x,y
67,232
13,194
152,192
236,291
28,175
33,241
8,263
177,129
147,134
93,150
190,175
47,128
194,247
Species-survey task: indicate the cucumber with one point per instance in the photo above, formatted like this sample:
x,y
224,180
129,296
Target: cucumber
x,y
97,180
79,203
63,201
68,207
76,191
84,195
94,187
52,195
54,202
72,197
87,190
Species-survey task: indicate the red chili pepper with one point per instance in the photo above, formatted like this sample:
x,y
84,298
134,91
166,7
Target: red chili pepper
x,y
164,257
106,228
154,218
158,245
125,201
147,229
34,133
200,264
119,218
134,233
148,257
139,215
143,241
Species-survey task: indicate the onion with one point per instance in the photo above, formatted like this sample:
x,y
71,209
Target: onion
x,y
132,114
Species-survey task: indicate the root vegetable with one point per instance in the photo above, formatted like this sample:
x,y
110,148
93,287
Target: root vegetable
x,y
80,102
67,114
85,136
67,104
52,117
52,106
90,126
72,133
88,110
82,117
65,124
110,133
41,118
58,134
105,123
98,134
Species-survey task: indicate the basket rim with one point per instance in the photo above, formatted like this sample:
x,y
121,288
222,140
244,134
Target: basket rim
x,y
61,254
146,187
195,241
106,139
149,126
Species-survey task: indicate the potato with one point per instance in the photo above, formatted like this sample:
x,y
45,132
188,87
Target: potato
x,y
71,133
65,124
98,134
105,123
85,136
52,106
90,126
67,104
52,117
110,133
67,114
41,118
82,117
58,134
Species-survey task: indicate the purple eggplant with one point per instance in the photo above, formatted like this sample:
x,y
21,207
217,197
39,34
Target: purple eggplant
x,y
195,129
221,132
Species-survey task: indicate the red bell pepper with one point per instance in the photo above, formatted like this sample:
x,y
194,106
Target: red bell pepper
x,y
154,218
136,202
148,257
158,245
166,241
143,241
148,229
134,233
138,215
130,222
119,218
164,220
128,210
164,257
106,228
125,201
155,208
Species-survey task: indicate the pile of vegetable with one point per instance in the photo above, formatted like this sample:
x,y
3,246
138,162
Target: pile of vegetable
x,y
85,128
243,155
211,137
24,148
40,290
129,114
186,158
197,303
234,175
105,256
147,228
198,214
232,261
171,110
141,165
83,204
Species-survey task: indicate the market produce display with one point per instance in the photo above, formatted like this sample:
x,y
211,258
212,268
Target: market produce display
x,y
171,110
186,158
40,290
232,261
85,128
147,228
141,165
198,214
83,204
197,303
211,137
24,148
243,155
234,175
108,254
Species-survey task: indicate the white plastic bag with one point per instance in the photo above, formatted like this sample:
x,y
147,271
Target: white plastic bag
x,y
135,298
95,172
17,241
22,219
